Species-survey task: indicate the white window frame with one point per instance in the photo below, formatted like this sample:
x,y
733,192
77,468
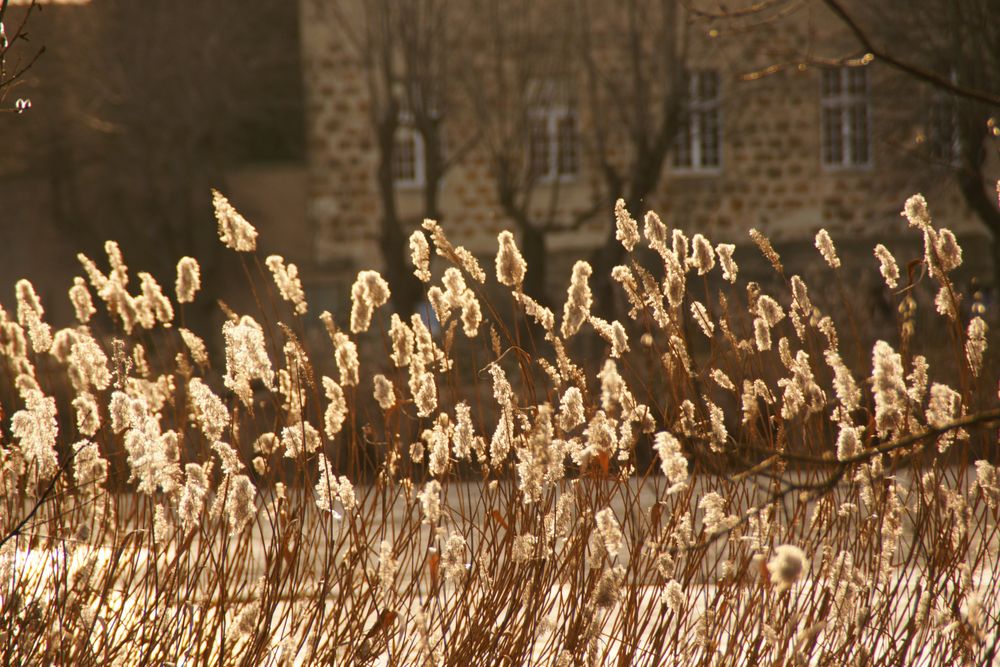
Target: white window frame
x,y
695,108
550,111
405,131
551,117
843,102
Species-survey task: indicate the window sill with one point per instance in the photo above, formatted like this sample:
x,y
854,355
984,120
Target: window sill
x,y
695,172
847,168
565,179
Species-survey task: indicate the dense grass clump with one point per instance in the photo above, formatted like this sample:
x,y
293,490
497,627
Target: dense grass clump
x,y
720,476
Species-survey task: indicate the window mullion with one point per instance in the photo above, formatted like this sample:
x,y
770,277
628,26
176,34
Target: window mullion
x,y
847,152
552,123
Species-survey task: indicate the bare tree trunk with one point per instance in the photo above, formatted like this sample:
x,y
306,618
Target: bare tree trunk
x,y
604,259
983,206
533,242
405,287
972,182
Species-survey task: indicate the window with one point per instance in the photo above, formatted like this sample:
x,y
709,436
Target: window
x,y
942,131
553,139
408,155
697,146
942,138
553,144
846,140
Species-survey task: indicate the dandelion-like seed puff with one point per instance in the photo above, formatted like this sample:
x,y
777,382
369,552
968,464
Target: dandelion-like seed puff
x,y
786,566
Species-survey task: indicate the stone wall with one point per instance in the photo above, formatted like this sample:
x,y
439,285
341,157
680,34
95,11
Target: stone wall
x,y
772,177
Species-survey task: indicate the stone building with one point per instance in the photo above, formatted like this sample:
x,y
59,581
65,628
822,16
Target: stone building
x,y
768,144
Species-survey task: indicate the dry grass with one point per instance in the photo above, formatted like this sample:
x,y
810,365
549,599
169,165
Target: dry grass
x,y
716,479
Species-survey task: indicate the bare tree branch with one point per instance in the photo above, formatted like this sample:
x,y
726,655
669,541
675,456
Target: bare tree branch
x,y
910,68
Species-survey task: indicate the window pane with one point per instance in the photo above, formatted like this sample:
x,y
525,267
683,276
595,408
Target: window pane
x,y
708,86
709,138
404,167
833,140
857,80
831,82
538,147
942,130
682,146
846,138
698,141
859,134
567,157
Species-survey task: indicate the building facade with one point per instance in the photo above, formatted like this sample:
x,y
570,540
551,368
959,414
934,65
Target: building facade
x,y
765,141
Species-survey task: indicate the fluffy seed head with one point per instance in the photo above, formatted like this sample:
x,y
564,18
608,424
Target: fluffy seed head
x,y
538,312
188,279
35,428
510,264
786,566
848,442
826,248
88,365
241,505
673,596
369,292
915,211
571,412
889,388
154,300
29,316
196,346
608,588
336,411
949,252
327,488
975,345
627,231
702,255
246,356
700,314
609,531
579,299
715,520
729,268
420,254
767,250
79,296
387,568
346,355
523,549
656,232
425,393
385,395
453,558
191,503
207,409
672,461
287,280
88,416
234,230
430,501
887,266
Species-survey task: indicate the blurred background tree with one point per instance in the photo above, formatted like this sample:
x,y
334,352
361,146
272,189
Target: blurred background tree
x,y
946,54
953,48
17,55
405,48
137,110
